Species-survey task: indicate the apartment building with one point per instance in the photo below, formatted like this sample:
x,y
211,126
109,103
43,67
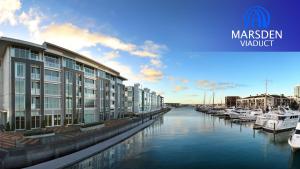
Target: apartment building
x,y
139,100
47,85
262,101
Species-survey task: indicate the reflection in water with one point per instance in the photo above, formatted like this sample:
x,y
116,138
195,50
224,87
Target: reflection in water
x,y
184,138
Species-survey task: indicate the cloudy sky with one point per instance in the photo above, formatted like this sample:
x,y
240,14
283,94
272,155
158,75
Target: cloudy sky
x,y
155,43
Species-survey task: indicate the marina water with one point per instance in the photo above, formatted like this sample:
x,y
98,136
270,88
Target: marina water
x,y
186,139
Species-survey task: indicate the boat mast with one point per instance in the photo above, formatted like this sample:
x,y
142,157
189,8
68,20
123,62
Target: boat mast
x,y
266,94
213,98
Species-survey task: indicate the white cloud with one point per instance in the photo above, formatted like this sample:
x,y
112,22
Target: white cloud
x,y
212,85
31,20
179,88
80,39
8,10
150,74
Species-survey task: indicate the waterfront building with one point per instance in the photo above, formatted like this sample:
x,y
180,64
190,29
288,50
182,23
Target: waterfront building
x,y
139,100
261,101
230,101
47,85
297,91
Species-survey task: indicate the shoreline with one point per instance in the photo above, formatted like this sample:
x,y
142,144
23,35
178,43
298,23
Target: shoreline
x,y
32,156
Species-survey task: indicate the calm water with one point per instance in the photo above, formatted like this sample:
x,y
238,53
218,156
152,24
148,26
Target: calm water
x,y
185,139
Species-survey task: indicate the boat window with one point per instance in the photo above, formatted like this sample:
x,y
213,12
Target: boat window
x,y
297,132
281,118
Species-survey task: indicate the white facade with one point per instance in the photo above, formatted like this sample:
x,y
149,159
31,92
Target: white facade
x,y
140,100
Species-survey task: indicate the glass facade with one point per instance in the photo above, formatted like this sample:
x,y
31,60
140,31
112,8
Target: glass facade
x,y
49,99
20,95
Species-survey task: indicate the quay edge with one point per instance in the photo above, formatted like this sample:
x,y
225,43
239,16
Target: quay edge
x,y
42,155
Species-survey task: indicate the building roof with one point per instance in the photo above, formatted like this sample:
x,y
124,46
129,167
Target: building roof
x,y
4,41
263,95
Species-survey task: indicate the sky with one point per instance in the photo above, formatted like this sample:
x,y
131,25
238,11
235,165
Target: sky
x,y
180,49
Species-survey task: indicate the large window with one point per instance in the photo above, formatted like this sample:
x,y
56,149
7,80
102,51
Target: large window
x,y
52,103
20,52
57,120
89,83
89,71
35,73
35,88
35,121
20,120
20,86
35,103
89,103
52,89
69,63
19,70
48,120
20,102
52,61
52,75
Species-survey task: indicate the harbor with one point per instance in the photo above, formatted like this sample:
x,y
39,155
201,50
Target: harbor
x,y
186,138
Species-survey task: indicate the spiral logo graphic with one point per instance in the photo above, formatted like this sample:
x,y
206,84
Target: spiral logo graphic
x,y
257,17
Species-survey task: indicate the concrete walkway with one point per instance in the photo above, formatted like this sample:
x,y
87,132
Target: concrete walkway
x,y
73,158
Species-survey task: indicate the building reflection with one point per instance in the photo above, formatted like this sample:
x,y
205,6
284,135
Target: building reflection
x,y
127,149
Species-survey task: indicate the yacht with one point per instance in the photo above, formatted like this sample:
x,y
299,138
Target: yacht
x,y
252,115
282,119
294,140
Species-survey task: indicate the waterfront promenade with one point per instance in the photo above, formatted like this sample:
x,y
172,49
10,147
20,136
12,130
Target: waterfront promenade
x,y
65,143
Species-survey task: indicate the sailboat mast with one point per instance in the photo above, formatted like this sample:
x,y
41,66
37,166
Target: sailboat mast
x,y
213,99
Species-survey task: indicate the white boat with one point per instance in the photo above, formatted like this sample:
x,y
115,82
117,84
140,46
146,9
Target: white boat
x,y
252,115
294,140
282,119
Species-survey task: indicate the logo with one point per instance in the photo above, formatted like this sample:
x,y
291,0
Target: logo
x,y
257,32
257,17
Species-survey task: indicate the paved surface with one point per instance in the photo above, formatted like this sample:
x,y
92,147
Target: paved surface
x,y
11,140
85,153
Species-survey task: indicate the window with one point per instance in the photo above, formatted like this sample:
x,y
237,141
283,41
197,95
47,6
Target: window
x,y
35,88
20,120
89,71
52,61
68,119
20,52
35,121
20,86
57,120
297,132
48,120
35,103
34,55
52,103
69,63
89,103
89,83
52,75
35,73
52,89
69,77
19,70
19,102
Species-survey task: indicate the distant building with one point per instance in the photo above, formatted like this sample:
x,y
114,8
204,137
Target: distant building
x,y
297,91
230,101
261,101
138,100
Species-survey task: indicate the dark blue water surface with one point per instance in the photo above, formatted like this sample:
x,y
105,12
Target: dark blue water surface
x,y
186,139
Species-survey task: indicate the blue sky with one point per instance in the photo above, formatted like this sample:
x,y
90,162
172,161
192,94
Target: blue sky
x,y
177,48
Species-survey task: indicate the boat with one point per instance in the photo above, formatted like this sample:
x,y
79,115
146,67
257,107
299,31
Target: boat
x,y
281,120
294,140
252,115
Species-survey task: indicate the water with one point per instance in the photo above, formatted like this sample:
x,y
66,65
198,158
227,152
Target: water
x,y
186,139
